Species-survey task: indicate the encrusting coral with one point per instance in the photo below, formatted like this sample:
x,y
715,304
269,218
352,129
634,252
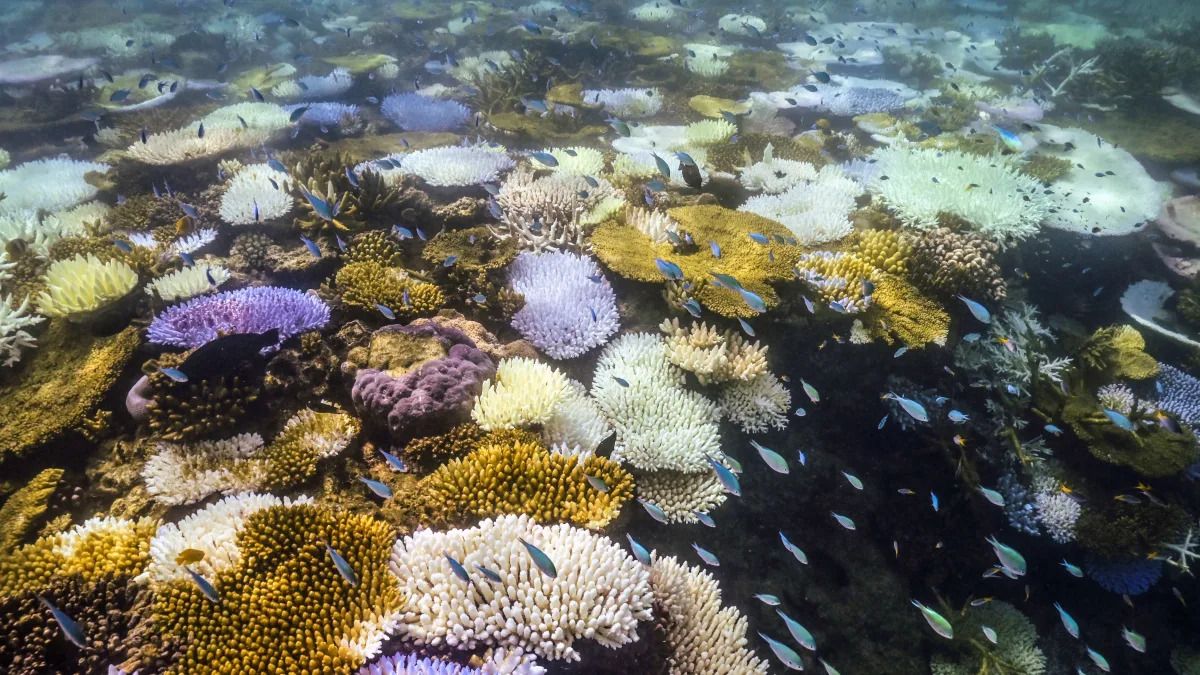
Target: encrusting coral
x,y
525,478
284,606
755,266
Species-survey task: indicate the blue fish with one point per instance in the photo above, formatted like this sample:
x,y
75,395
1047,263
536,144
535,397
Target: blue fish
x,y
706,555
175,374
685,158
597,482
704,518
1120,420
457,568
726,281
797,552
540,559
377,487
531,27
342,566
1010,139
802,458
977,310
900,352
808,304
914,409
693,307
844,521
393,461
386,312
1053,429
715,248
205,588
70,628
957,416
728,480
421,234
786,655
882,422
669,269
402,232
490,574
621,381
123,246
187,259
799,633
752,300
656,185
277,165
933,500
772,459
326,210
759,238
662,165
545,158
654,510
639,551
745,327
311,246
767,599
449,261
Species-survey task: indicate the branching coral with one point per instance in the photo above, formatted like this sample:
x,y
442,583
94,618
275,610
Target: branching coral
x,y
284,606
1118,352
948,263
714,356
554,211
704,637
368,285
98,549
207,404
599,593
523,392
14,319
80,286
416,112
524,478
631,254
756,405
248,310
907,315
1015,651
681,495
256,193
24,507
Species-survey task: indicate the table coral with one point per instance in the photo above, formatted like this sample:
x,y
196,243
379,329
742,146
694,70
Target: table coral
x,y
525,478
631,254
1118,352
570,308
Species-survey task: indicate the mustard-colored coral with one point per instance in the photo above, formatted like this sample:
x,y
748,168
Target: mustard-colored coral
x,y
24,507
200,407
374,246
631,254
100,548
367,285
57,389
886,250
906,315
429,452
525,478
837,276
83,284
292,456
285,608
1118,352
473,248
714,356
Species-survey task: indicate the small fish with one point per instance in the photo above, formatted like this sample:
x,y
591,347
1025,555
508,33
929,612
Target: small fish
x,y
421,234
621,381
810,391
957,416
1098,658
900,352
1009,557
844,521
992,496
393,461
752,300
669,269
297,114
457,568
342,566
914,409
936,621
726,281
693,307
1068,621
853,480
786,655
1052,429
715,248
189,556
311,246
767,599
1136,641
377,487
829,670
449,261
802,458
662,165
772,459
187,259
1073,570
746,328
402,232
989,633
205,588
797,552
490,574
801,412
706,555
1010,139
119,95
822,76
200,131
175,374
759,238
597,482
1120,420
726,477
386,311
933,500
257,95
971,337
799,633
540,559
978,311
882,422
70,628
639,552
654,510
704,518
545,158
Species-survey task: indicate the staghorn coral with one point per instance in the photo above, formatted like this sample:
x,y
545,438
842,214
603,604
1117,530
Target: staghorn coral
x,y
368,285
202,407
14,319
600,592
1118,352
946,263
1015,651
704,638
525,478
61,385
522,392
284,606
631,254
25,507
756,405
713,356
680,495
100,548
81,286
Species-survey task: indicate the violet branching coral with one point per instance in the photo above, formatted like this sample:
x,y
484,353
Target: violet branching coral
x,y
248,310
570,308
598,593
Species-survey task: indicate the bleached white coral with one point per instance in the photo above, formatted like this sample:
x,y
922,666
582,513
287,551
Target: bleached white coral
x,y
195,241
183,474
681,495
816,211
653,224
709,132
186,144
552,212
654,11
703,636
188,282
599,593
707,60
988,192
626,103
77,220
742,24
212,531
316,87
576,425
714,356
522,392
14,319
773,176
659,423
47,185
470,68
457,166
758,405
248,115
1057,513
255,194
577,160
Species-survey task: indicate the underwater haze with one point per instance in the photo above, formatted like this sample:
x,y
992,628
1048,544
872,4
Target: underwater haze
x,y
599,337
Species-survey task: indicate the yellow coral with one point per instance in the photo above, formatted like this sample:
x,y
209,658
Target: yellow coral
x,y
522,392
473,248
837,276
306,438
366,285
428,452
83,284
632,254
1120,352
100,548
285,608
901,312
374,246
886,250
24,507
525,478
714,356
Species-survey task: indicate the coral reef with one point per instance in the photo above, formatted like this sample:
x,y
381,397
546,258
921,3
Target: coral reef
x,y
367,286
948,263
570,308
24,508
248,310
1014,651
80,287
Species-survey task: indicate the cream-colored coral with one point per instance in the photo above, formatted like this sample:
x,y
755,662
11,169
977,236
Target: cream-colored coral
x,y
188,282
83,284
183,145
709,132
523,392
714,356
756,405
653,224
681,495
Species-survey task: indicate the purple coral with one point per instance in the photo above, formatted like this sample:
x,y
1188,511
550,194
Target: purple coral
x,y
247,310
430,398
328,115
414,112
1180,394
411,664
570,307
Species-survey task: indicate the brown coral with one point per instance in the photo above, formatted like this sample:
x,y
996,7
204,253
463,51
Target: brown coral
x,y
948,263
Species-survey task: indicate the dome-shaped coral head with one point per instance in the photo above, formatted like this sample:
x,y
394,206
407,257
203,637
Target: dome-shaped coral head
x,y
417,112
248,310
420,379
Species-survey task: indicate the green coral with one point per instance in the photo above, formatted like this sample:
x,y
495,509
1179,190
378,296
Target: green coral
x,y
1168,135
1118,352
1015,651
473,249
1151,450
1045,168
25,507
1119,530
56,389
632,254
